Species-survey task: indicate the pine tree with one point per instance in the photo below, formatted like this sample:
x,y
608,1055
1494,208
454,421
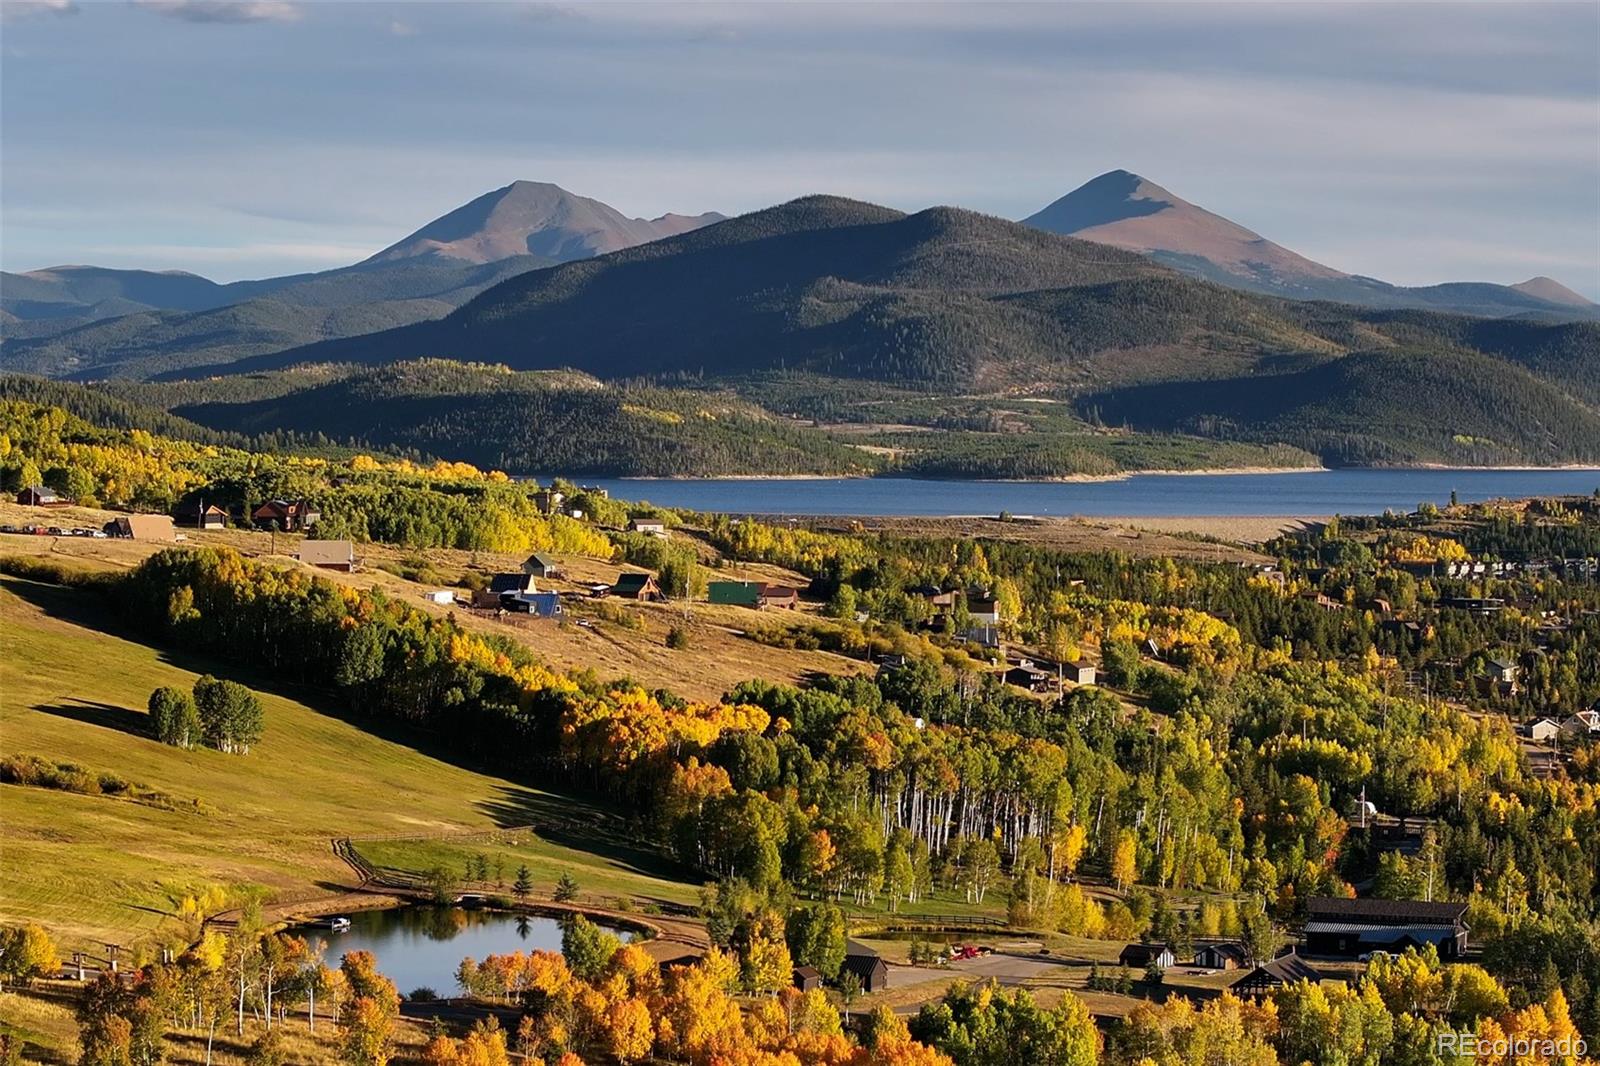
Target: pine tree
x,y
523,884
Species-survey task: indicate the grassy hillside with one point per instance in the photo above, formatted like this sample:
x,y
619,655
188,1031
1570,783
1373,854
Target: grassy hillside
x,y
1399,406
101,868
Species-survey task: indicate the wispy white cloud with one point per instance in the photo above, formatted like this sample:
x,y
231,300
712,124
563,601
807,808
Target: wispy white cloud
x,y
17,9
225,11
401,29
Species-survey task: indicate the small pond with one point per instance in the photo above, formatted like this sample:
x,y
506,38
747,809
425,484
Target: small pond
x,y
421,946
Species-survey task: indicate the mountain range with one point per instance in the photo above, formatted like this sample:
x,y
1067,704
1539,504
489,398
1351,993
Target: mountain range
x,y
93,322
85,321
1125,210
1033,353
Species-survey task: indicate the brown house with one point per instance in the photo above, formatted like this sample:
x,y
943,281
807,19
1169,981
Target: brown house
x,y
637,587
779,596
328,554
39,496
291,516
807,977
867,965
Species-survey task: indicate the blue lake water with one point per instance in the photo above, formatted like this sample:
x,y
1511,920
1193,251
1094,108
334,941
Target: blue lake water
x,y
421,947
1322,492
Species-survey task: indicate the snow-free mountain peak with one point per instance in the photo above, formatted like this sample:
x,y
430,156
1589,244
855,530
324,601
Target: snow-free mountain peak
x,y
535,218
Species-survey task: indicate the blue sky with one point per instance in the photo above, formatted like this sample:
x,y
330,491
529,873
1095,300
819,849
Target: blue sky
x,y
1417,143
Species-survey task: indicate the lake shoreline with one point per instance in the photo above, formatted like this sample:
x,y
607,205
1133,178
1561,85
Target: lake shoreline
x,y
1057,479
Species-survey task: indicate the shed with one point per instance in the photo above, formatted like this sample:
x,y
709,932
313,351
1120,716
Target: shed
x,y
1081,672
1139,956
807,978
328,554
1224,955
637,587
204,516
441,596
867,965
142,527
541,565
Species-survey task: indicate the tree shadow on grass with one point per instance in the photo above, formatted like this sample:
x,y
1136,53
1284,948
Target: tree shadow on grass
x,y
583,827
105,715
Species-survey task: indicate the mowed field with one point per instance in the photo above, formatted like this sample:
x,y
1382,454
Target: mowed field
x,y
99,869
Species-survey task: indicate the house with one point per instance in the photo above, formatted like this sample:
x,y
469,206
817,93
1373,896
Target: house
x,y
441,596
289,516
942,602
1141,956
780,596
142,527
1351,927
867,965
549,501
1081,672
40,496
1504,669
655,527
1283,970
542,604
328,555
1029,677
202,515
1543,731
807,978
541,565
985,610
1223,955
1584,725
637,587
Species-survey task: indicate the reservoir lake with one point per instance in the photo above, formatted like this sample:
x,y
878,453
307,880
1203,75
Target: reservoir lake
x,y
1303,493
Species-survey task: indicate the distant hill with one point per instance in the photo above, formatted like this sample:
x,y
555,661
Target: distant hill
x,y
535,218
1125,210
822,283
1394,407
528,422
1551,291
303,310
524,226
